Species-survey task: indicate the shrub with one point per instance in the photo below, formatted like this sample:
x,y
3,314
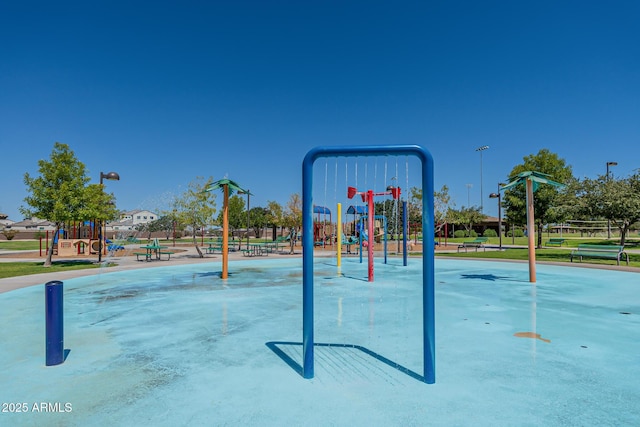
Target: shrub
x,y
459,233
490,232
9,234
517,232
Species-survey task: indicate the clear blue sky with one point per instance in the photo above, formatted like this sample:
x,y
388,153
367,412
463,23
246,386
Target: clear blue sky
x,y
163,92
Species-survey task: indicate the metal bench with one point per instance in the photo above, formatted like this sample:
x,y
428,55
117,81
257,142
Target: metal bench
x,y
600,251
555,241
476,243
167,253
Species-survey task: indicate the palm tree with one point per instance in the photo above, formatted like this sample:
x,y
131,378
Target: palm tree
x,y
228,187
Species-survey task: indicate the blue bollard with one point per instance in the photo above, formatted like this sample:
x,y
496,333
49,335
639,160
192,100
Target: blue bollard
x,y
54,323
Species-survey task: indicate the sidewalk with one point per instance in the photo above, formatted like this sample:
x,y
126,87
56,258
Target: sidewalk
x,y
188,255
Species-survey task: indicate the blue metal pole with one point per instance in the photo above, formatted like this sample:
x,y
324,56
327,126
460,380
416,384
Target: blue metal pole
x,y
307,266
405,231
428,273
54,320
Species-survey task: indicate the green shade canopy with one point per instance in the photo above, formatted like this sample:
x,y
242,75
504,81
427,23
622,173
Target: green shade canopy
x,y
536,177
233,186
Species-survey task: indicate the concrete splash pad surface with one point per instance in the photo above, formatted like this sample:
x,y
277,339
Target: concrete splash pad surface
x,y
178,346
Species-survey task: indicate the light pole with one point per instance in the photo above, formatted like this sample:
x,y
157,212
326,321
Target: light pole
x,y
113,176
499,197
481,149
608,220
469,195
248,193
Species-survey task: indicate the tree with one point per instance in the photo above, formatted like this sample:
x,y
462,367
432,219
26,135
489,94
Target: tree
x,y
274,215
547,197
617,200
237,213
466,216
60,193
293,217
164,224
196,207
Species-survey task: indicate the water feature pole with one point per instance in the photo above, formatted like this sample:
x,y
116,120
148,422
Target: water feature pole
x,y
54,319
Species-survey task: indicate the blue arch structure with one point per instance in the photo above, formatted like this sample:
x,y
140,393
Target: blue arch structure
x,y
428,254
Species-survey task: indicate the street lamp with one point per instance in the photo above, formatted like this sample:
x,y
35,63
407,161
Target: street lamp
x,y
248,193
608,220
481,149
469,195
113,176
498,196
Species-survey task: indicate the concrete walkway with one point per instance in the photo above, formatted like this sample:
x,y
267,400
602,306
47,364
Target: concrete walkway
x,y
188,255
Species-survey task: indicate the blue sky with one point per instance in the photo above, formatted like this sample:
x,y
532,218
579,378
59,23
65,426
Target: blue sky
x,y
164,92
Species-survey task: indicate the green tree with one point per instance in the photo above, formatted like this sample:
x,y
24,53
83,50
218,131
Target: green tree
x,y
293,217
616,200
547,197
274,216
164,224
466,217
60,193
237,214
196,207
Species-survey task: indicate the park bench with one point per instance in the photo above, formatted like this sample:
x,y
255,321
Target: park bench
x,y
555,241
476,243
146,255
167,253
600,251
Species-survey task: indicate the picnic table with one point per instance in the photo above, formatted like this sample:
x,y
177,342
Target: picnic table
x,y
152,251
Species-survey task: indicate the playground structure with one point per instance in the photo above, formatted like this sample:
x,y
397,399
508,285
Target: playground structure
x,y
323,231
76,239
428,255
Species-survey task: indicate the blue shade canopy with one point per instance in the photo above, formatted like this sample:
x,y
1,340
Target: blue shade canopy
x,y
360,210
321,210
537,178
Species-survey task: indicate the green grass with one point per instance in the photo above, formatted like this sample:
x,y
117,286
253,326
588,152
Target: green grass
x,y
555,255
13,269
20,245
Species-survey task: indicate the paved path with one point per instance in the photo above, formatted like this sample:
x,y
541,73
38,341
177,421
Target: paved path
x,y
188,255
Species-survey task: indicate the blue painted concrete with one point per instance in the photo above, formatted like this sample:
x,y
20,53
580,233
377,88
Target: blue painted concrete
x,y
178,346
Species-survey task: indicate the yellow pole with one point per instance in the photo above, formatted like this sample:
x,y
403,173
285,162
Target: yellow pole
x,y
225,234
339,234
530,232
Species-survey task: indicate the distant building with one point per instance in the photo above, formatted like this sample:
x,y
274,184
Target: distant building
x,y
5,221
33,224
138,216
131,220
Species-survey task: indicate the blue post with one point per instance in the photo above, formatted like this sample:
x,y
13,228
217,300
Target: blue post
x,y
405,231
54,323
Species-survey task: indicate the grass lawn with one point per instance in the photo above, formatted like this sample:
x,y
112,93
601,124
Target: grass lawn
x,y
555,255
13,269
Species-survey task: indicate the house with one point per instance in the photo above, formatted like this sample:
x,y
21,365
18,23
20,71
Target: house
x,y
5,221
33,224
131,220
138,217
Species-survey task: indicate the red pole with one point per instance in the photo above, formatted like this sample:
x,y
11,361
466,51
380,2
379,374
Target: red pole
x,y
40,246
370,232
